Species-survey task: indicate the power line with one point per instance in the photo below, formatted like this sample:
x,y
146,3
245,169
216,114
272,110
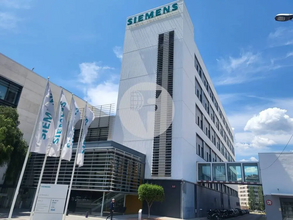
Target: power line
x,y
279,154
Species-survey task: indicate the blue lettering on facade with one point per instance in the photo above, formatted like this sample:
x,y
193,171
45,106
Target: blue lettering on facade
x,y
152,14
149,15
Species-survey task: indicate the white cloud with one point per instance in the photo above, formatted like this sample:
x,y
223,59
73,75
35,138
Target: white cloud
x,y
261,142
289,54
282,36
97,91
103,93
118,52
244,60
253,159
277,33
256,133
254,146
250,159
246,67
17,4
89,72
8,21
271,120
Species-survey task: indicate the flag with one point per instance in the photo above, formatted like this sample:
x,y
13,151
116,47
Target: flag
x,y
74,117
45,124
89,117
60,126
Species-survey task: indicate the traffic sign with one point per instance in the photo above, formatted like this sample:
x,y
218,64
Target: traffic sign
x,y
269,202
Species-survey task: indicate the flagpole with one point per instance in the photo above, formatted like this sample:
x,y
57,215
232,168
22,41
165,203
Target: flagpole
x,y
39,184
58,169
74,164
42,172
25,162
63,141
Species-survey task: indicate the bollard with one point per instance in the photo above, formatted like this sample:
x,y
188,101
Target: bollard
x,y
139,214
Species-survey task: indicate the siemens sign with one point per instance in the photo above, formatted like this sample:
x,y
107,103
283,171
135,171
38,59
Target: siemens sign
x,y
152,14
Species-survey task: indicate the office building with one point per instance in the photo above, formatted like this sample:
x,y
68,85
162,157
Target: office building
x,y
169,117
243,192
160,42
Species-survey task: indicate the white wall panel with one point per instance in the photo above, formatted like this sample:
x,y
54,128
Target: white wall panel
x,y
281,168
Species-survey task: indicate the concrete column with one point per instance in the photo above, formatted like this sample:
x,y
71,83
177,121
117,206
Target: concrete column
x,y
102,206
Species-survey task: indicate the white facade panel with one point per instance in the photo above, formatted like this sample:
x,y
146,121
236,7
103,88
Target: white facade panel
x,y
141,48
281,167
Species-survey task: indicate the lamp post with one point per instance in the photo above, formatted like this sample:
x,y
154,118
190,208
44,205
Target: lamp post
x,y
283,17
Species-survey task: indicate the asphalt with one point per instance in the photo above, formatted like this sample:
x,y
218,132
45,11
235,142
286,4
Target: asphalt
x,y
24,215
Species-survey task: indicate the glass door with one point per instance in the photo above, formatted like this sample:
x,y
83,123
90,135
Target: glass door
x,y
287,209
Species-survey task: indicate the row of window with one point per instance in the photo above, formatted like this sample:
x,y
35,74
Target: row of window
x,y
206,153
209,90
94,134
221,188
203,99
205,126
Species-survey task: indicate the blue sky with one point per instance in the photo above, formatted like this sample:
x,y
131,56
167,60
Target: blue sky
x,y
248,54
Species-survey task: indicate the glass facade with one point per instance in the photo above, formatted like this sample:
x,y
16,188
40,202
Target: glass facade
x,y
251,173
204,172
9,92
108,166
242,172
219,172
234,172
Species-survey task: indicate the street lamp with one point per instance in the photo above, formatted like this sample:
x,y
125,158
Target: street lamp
x,y
283,17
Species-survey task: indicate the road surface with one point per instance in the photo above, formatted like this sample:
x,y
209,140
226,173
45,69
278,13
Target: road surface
x,y
249,217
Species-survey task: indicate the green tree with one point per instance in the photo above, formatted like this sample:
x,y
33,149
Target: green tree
x,y
150,193
12,146
251,198
261,199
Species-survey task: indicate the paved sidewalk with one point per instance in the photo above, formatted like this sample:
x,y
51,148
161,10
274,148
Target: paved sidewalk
x,y
120,217
24,215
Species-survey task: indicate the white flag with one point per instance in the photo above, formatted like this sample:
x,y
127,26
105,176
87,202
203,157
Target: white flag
x,y
89,118
60,126
74,117
45,124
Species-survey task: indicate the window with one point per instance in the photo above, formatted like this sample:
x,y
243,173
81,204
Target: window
x,y
9,92
198,150
94,134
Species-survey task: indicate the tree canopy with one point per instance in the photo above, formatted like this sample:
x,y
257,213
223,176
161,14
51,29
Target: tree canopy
x,y
12,146
251,199
150,193
261,199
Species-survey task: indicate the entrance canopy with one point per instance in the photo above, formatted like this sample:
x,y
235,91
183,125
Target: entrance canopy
x,y
246,173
